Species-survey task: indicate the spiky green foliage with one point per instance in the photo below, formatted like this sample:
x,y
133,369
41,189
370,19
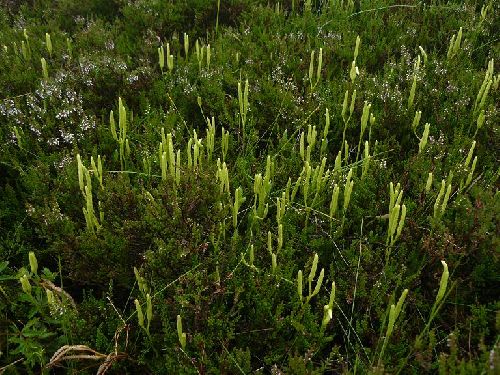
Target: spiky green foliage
x,y
309,110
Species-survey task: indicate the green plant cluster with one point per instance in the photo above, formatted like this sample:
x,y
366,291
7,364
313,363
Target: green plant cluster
x,y
248,186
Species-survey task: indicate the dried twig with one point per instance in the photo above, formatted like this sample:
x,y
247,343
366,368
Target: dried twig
x,y
50,285
104,367
83,352
2,369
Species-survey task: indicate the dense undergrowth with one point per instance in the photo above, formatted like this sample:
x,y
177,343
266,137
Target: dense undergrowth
x,y
249,187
